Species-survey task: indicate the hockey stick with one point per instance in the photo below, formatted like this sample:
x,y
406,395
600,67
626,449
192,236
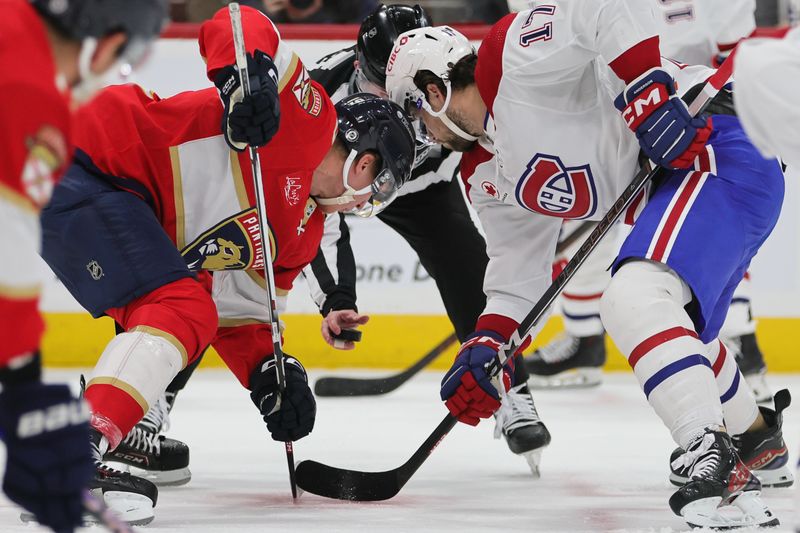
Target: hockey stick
x,y
336,386
343,484
261,209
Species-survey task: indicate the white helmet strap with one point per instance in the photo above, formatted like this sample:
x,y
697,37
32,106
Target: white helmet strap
x,y
443,117
349,192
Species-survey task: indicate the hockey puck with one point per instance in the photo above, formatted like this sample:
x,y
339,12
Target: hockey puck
x,y
352,335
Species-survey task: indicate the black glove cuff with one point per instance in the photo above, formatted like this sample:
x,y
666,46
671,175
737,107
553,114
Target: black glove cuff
x,y
22,370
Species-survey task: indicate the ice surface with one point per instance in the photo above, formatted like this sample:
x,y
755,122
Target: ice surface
x,y
606,469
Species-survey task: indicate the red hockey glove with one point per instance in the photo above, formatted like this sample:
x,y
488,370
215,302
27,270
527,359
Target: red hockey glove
x,y
471,388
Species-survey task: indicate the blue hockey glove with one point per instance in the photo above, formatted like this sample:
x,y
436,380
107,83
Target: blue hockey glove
x,y
48,462
667,133
469,389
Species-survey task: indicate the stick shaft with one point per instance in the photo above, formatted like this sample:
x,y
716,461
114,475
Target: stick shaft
x,y
263,223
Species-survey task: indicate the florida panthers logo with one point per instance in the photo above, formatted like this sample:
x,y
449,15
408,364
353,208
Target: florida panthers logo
x,y
549,187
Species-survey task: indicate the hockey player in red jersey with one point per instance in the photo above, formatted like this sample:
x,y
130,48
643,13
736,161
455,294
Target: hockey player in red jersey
x,y
48,50
163,195
540,96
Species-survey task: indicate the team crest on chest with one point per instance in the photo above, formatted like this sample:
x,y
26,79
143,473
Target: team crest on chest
x,y
233,244
307,94
551,188
47,152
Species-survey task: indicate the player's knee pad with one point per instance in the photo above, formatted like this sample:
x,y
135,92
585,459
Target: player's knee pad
x,y
182,309
133,370
643,298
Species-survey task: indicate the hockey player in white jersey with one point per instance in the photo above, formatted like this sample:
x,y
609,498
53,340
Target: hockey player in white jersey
x,y
542,97
695,33
767,75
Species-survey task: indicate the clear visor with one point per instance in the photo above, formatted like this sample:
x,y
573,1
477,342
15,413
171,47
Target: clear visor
x,y
384,191
364,85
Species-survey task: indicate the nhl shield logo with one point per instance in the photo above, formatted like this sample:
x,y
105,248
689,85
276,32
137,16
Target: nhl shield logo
x,y
549,187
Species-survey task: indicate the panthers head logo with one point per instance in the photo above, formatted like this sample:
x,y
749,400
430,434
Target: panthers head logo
x,y
221,254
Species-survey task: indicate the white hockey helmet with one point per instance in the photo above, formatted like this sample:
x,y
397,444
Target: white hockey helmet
x,y
435,49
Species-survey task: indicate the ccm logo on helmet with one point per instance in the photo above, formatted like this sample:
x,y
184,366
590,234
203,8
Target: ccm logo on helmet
x,y
392,57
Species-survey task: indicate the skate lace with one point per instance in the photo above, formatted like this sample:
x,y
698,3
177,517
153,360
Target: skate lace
x,y
701,460
560,349
100,465
156,419
143,440
516,410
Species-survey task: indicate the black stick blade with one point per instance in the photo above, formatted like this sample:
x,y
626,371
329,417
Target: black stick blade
x,y
341,484
334,386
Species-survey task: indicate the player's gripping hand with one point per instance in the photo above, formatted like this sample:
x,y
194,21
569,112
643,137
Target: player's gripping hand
x,y
667,133
289,416
48,463
337,320
470,389
251,120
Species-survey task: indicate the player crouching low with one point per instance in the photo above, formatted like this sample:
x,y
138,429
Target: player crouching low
x,y
541,88
158,198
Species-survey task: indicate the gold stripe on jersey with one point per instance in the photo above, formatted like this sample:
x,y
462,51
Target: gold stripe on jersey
x,y
180,220
25,292
9,195
169,337
124,387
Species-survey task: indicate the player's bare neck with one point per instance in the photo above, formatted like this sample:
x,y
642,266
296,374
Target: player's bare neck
x,y
468,109
65,54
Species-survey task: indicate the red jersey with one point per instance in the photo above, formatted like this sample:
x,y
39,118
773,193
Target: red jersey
x,y
34,149
172,154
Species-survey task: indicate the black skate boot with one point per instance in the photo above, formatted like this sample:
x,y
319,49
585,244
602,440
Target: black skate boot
x,y
131,497
751,362
568,362
154,457
518,421
763,452
722,493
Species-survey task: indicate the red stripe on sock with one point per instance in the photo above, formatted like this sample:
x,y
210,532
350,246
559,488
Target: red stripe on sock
x,y
582,297
114,404
720,360
656,340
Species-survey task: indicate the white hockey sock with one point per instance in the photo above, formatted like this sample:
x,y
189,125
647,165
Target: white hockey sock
x,y
643,311
738,403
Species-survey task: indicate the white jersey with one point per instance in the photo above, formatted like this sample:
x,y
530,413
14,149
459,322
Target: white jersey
x,y
692,31
767,73
556,146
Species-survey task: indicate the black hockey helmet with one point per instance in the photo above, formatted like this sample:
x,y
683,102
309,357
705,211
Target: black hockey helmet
x,y
377,35
140,20
369,123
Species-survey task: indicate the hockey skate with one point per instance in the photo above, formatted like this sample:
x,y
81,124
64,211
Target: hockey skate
x,y
131,498
518,421
763,452
147,454
751,362
722,493
568,362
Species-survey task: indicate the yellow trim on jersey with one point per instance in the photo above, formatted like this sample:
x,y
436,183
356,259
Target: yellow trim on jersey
x,y
234,322
26,292
18,199
124,387
169,337
177,189
287,75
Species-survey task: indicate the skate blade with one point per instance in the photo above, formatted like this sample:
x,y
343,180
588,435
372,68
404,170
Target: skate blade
x,y
576,378
777,478
745,511
164,478
134,509
534,459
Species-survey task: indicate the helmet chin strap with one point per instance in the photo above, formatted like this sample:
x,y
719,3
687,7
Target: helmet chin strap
x,y
444,118
349,192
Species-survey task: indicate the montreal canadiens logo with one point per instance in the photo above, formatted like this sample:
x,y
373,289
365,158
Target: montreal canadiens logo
x,y
549,187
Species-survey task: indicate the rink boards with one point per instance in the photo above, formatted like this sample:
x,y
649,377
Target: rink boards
x,y
407,315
